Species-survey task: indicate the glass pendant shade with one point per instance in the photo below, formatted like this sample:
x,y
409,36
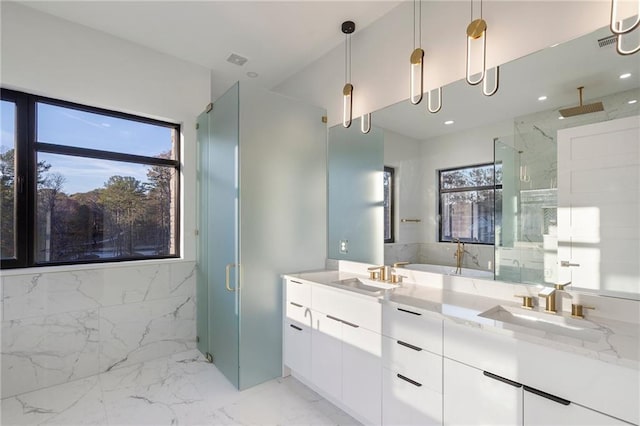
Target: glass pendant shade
x,y
365,123
347,100
417,69
430,102
476,31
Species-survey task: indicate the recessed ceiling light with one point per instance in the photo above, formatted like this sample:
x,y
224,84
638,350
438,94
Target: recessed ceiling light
x,y
448,122
542,98
632,101
561,118
625,75
252,74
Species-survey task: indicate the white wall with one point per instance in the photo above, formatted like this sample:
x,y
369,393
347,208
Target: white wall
x,y
49,56
380,52
64,323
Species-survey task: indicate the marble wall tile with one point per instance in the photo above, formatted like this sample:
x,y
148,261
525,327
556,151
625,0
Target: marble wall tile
x,y
142,331
43,351
61,326
399,252
32,295
135,284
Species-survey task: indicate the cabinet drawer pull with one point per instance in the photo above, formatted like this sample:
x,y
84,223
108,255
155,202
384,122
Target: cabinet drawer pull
x,y
295,326
350,324
547,395
408,380
297,282
409,312
410,346
334,318
502,379
296,305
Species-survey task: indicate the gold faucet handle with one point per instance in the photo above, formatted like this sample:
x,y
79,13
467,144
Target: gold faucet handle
x,y
397,278
577,310
400,264
562,286
374,272
527,301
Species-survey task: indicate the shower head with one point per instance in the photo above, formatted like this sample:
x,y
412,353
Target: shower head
x,y
582,109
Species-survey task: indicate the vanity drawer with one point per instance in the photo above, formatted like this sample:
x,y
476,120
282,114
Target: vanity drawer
x,y
407,403
417,364
482,349
299,292
574,377
363,311
299,313
412,326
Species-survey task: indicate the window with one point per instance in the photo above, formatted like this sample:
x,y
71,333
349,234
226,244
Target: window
x,y
388,204
82,184
468,196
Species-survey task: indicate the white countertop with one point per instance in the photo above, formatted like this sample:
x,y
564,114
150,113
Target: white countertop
x,y
619,345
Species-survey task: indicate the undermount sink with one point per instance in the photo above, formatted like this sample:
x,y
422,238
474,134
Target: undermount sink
x,y
545,322
365,285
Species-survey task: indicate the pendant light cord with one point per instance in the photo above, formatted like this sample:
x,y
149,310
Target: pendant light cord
x,y
472,10
418,17
347,59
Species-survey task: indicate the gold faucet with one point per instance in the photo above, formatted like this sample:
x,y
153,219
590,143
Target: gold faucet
x,y
549,294
379,272
459,255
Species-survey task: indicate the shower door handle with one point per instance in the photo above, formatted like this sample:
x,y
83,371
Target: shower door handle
x,y
227,273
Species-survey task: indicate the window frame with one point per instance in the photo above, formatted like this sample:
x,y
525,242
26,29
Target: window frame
x,y
26,149
391,171
441,191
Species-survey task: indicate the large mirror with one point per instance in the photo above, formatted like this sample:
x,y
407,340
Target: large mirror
x,y
475,189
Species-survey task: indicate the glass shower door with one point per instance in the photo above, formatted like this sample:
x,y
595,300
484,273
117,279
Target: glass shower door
x,y
219,234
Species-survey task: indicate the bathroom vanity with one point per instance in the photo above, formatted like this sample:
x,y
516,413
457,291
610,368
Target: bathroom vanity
x,y
449,350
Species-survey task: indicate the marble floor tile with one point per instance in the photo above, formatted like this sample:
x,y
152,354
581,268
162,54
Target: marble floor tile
x,y
182,389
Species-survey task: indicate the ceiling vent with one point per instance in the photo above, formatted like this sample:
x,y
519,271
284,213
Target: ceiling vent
x,y
237,59
607,41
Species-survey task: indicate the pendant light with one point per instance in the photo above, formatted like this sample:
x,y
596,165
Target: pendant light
x,y
433,109
365,123
417,56
417,65
348,27
477,31
619,31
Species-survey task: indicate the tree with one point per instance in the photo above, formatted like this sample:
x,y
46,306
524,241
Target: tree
x,y
160,179
7,211
123,200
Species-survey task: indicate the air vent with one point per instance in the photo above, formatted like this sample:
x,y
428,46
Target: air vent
x,y
237,59
607,41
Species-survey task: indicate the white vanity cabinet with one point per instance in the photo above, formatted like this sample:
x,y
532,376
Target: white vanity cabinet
x,y
412,366
297,327
476,397
545,410
497,379
346,350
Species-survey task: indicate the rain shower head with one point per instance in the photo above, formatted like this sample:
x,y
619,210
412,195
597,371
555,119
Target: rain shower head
x,y
582,109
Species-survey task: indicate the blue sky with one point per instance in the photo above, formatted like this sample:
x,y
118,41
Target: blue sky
x,y
64,126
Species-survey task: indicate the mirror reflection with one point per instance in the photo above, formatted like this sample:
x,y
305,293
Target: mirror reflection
x,y
476,185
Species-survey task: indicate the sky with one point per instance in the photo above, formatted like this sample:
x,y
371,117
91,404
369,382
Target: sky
x,y
65,126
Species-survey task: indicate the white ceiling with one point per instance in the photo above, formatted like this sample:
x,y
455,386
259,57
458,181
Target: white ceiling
x,y
278,37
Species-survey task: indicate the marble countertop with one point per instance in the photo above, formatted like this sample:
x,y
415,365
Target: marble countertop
x,y
617,342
